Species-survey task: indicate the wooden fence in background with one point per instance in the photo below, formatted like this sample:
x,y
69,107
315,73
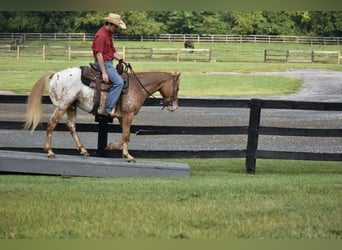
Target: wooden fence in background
x,y
170,54
205,38
253,130
74,52
307,56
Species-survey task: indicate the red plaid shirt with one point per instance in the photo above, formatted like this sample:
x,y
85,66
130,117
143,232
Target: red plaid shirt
x,y
103,43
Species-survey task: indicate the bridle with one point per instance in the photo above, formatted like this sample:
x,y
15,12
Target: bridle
x,y
174,93
161,102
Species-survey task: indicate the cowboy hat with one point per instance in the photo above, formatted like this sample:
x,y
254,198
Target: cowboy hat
x,y
115,19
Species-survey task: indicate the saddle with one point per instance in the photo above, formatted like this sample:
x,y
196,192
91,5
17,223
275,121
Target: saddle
x,y
92,77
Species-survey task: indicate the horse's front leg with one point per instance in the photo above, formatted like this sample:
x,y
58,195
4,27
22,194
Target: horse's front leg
x,y
125,123
71,124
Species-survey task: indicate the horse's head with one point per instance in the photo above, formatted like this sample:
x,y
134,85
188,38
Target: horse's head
x,y
169,92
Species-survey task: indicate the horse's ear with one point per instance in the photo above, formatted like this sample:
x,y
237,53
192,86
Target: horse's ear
x,y
177,74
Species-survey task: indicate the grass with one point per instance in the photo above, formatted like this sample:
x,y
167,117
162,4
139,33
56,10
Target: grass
x,y
285,200
191,84
19,75
290,199
236,85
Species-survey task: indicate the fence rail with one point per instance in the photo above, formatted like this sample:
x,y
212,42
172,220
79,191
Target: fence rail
x,y
211,38
72,52
253,130
310,56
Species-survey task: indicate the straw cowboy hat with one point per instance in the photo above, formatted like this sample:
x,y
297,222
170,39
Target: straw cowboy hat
x,y
115,19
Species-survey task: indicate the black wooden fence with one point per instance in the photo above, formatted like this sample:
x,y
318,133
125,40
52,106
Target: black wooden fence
x,y
251,153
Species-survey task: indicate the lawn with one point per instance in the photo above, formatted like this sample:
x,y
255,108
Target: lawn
x,y
20,75
287,200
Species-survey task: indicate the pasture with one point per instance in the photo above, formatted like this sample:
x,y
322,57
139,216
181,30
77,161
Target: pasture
x,y
288,200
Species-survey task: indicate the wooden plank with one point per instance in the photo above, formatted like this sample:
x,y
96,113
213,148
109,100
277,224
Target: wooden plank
x,y
278,104
184,102
300,132
137,129
158,154
285,155
66,165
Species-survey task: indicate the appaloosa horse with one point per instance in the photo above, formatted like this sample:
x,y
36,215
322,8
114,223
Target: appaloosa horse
x,y
67,92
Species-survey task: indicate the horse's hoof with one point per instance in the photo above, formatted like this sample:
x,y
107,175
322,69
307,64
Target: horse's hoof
x,y
51,156
84,152
131,160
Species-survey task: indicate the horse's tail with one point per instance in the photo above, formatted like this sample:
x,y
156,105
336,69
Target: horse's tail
x,y
34,104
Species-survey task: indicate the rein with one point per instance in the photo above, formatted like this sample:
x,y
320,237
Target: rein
x,y
140,83
143,87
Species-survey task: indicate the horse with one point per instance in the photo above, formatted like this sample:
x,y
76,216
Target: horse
x,y
189,45
67,92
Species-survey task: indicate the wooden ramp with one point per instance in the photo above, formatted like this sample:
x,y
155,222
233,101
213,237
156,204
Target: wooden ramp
x,y
66,165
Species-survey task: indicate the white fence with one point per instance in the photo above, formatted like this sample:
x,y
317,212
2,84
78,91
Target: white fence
x,y
22,37
308,56
74,52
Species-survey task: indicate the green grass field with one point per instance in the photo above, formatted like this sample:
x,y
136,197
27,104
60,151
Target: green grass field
x,y
19,75
284,200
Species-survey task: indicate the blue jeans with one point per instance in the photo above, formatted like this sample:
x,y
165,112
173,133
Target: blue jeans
x,y
115,92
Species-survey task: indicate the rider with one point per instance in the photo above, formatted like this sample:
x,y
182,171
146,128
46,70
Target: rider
x,y
104,52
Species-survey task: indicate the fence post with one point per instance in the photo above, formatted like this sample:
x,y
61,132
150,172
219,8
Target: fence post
x,y
124,52
43,51
338,56
18,52
102,134
253,135
312,56
265,55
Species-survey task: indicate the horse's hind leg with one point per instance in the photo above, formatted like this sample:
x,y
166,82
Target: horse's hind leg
x,y
53,121
71,124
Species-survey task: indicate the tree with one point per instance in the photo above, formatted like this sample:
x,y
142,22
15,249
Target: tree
x,y
25,22
248,23
326,23
212,23
315,23
89,21
140,23
278,23
182,22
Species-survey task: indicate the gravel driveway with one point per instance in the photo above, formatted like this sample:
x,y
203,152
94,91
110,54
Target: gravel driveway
x,y
318,85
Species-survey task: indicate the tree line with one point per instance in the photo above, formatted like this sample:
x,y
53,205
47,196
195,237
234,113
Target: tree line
x,y
308,23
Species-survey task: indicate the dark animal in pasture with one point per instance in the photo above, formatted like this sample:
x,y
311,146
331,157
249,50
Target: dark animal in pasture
x,y
189,45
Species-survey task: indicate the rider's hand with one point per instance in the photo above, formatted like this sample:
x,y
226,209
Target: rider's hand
x,y
127,64
105,77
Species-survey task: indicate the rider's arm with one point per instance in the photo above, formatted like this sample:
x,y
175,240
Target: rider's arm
x,y
100,61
